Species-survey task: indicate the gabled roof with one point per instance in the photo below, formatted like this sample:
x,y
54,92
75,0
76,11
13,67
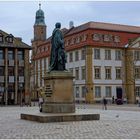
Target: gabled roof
x,y
17,42
105,26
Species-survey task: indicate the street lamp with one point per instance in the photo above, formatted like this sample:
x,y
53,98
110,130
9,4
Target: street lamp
x,y
20,87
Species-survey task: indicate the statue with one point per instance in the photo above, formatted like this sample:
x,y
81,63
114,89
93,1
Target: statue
x,y
58,55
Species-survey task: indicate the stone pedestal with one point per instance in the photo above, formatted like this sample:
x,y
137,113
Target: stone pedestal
x,y
58,93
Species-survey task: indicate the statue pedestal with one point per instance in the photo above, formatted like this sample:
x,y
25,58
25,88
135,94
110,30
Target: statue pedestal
x,y
58,96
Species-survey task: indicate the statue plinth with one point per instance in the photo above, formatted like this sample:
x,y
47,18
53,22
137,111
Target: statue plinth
x,y
58,95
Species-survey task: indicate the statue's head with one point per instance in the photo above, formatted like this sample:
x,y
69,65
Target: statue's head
x,y
58,25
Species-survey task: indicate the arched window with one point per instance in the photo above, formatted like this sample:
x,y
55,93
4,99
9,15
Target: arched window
x,y
9,38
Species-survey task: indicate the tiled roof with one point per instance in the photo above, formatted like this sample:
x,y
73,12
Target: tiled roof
x,y
64,31
17,42
105,26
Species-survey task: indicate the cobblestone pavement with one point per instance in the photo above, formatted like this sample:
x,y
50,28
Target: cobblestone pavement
x,y
120,124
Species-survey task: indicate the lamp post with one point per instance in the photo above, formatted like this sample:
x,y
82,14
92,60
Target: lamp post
x,y
20,86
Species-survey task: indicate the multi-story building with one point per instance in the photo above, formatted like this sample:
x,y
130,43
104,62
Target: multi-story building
x,y
14,69
96,55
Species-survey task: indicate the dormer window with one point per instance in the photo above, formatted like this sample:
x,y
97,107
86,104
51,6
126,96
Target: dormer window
x,y
1,38
9,38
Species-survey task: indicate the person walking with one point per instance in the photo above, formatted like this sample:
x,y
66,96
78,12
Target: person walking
x,y
139,101
104,103
113,100
40,99
40,103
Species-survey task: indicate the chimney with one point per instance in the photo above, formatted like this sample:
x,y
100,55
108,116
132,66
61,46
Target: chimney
x,y
71,24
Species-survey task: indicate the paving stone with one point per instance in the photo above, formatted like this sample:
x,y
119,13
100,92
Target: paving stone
x,y
120,124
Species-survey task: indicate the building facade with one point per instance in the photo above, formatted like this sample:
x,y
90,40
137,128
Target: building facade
x,y
14,69
97,56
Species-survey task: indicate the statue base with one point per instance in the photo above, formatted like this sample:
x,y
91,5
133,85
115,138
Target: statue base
x,y
58,96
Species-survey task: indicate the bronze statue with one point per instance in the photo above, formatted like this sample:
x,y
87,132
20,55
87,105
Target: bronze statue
x,y
58,55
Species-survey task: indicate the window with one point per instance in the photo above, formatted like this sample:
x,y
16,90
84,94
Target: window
x,y
83,73
1,71
77,92
107,54
137,55
77,39
76,56
1,54
97,73
70,57
137,72
71,70
20,55
83,91
10,54
108,91
11,87
96,53
118,55
77,73
107,72
85,37
96,37
9,38
116,39
11,71
1,38
2,88
106,38
83,56
21,71
97,92
138,91
118,73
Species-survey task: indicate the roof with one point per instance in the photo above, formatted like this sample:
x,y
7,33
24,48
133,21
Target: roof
x,y
17,42
105,26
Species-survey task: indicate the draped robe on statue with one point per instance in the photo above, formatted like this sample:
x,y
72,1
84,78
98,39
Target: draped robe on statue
x,y
58,56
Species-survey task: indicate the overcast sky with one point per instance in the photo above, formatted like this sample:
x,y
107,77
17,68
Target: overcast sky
x,y
18,17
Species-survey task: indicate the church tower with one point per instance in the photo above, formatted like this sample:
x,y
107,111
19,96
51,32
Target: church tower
x,y
39,37
39,29
39,26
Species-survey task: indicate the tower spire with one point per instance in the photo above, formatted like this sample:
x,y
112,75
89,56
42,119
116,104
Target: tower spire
x,y
39,5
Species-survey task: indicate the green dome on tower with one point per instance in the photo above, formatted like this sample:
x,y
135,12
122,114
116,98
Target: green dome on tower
x,y
39,19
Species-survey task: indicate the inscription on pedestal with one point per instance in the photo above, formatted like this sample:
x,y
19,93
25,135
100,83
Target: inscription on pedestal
x,y
48,91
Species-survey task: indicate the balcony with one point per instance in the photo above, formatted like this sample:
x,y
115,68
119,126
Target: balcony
x,y
21,79
11,62
11,79
21,63
1,62
2,79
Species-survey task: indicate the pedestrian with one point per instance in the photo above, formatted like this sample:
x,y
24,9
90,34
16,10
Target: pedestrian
x,y
113,100
40,103
104,103
139,101
23,102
